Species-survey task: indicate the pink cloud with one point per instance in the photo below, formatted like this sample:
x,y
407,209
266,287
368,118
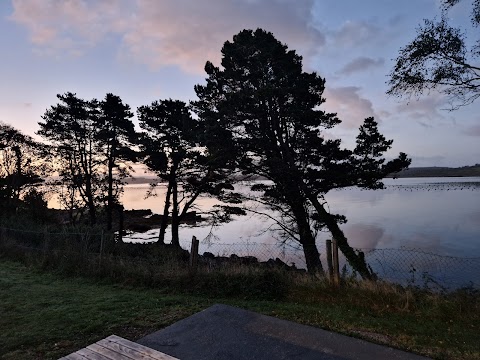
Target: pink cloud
x,y
188,33
350,106
57,26
160,33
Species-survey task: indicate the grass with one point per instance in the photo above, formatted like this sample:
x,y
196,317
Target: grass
x,y
46,315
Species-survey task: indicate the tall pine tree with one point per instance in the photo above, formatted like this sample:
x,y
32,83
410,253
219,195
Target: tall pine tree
x,y
269,113
117,137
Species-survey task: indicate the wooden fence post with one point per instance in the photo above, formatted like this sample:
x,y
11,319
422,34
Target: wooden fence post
x,y
336,265
329,259
194,254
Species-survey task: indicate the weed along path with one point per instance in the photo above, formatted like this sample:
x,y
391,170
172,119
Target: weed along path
x,y
224,332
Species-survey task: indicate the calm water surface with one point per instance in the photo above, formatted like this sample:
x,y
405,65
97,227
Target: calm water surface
x,y
439,215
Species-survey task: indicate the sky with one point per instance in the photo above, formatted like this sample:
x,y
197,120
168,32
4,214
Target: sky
x,y
145,50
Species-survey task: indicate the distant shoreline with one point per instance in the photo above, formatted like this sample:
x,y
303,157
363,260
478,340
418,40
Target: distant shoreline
x,y
434,171
414,172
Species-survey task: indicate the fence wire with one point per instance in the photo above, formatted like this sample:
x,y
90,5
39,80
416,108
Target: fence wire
x,y
420,268
46,241
409,267
413,267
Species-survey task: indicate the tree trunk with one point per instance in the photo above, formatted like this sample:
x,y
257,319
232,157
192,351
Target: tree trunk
x,y
17,179
89,187
91,211
70,202
175,236
166,210
90,202
312,256
357,261
110,195
175,219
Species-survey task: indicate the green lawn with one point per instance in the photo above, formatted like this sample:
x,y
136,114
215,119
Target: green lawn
x,y
45,316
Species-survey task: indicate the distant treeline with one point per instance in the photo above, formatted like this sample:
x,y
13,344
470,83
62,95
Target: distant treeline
x,y
436,171
433,171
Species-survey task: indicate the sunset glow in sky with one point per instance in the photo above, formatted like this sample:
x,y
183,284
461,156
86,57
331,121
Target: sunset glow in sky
x,y
145,50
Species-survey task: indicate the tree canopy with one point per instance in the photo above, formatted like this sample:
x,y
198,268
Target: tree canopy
x,y
440,58
173,147
268,111
259,114
21,166
90,140
117,139
71,129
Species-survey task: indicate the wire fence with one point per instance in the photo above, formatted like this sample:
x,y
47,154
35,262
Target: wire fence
x,y
414,267
410,267
420,268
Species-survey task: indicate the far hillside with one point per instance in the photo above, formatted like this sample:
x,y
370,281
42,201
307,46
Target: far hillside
x,y
434,171
438,172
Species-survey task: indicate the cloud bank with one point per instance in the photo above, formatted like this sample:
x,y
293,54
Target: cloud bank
x,y
360,64
356,33
161,33
70,26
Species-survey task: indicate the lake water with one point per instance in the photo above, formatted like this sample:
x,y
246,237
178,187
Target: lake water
x,y
439,216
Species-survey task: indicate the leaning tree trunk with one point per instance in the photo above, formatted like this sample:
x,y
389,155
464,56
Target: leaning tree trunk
x,y
312,256
356,260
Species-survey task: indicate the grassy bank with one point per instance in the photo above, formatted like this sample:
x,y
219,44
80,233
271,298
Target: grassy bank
x,y
46,315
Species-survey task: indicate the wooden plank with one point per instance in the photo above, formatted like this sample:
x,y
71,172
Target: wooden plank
x,y
91,355
109,353
73,356
147,352
119,348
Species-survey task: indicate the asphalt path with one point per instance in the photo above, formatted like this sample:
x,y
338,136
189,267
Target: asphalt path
x,y
224,332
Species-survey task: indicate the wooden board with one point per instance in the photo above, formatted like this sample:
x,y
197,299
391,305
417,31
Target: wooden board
x,y
117,348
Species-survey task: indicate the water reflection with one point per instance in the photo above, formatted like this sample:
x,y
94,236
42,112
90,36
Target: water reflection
x,y
438,215
430,214
367,236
